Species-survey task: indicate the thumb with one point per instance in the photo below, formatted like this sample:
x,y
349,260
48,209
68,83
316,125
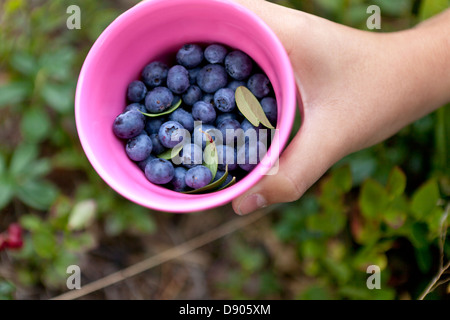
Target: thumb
x,y
310,154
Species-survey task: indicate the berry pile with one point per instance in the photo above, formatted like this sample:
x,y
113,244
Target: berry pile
x,y
183,125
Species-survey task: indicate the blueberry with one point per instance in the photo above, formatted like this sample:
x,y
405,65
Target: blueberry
x,y
158,148
238,65
249,155
155,74
227,155
153,124
252,133
215,53
135,106
198,177
233,85
220,174
224,100
184,118
139,148
229,129
223,116
142,164
178,79
259,85
159,171
192,95
129,124
211,78
136,91
199,138
179,179
204,112
158,100
191,155
269,105
208,98
171,133
193,75
190,55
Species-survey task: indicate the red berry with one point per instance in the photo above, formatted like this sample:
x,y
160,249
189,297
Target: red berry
x,y
14,239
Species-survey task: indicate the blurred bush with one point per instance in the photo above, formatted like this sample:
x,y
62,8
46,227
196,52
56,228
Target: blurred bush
x,y
382,206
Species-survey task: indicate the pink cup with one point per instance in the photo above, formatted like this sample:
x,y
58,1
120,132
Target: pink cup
x,y
152,30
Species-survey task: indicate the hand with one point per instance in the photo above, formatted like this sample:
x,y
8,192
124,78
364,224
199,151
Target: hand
x,y
357,89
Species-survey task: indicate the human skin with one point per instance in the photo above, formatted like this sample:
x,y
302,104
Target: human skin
x,y
357,88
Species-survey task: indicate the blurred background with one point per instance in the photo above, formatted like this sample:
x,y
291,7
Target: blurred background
x,y
386,206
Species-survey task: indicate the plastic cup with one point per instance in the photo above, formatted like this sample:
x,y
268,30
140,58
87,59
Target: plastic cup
x,y
153,30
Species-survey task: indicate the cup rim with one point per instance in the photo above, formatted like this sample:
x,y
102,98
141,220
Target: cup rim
x,y
205,201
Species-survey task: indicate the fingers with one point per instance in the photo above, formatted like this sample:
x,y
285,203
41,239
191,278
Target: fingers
x,y
304,161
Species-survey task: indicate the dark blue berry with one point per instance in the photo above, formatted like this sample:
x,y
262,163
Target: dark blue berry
x,y
238,65
192,95
190,55
191,155
224,100
259,85
229,129
199,138
155,74
215,53
128,124
142,164
220,174
233,85
249,155
153,124
184,118
136,91
178,79
139,148
208,98
171,133
253,133
211,78
269,105
158,148
198,177
158,100
204,112
159,171
135,106
179,179
227,156
193,75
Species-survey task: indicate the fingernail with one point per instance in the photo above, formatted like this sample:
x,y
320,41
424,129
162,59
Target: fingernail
x,y
251,203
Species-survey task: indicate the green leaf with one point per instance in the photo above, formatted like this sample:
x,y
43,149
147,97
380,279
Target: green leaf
x,y
58,97
22,158
171,153
211,186
82,215
37,194
211,159
31,222
250,107
172,109
6,193
342,178
229,184
44,243
373,199
35,125
425,199
14,93
430,8
24,62
58,63
396,183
